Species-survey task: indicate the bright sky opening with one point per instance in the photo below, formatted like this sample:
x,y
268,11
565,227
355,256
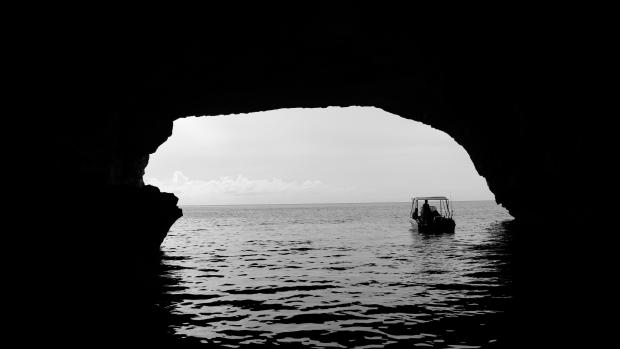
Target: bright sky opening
x,y
294,156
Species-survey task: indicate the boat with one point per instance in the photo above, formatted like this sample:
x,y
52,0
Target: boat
x,y
433,220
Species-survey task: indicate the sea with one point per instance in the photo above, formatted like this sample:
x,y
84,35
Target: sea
x,y
337,276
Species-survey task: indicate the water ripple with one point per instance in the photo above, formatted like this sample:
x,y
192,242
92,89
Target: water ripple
x,y
336,276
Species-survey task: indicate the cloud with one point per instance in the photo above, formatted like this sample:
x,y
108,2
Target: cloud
x,y
232,189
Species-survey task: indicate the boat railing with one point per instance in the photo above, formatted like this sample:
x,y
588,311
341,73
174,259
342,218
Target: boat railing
x,y
444,208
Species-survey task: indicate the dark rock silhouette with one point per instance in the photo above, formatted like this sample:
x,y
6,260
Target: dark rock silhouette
x,y
115,91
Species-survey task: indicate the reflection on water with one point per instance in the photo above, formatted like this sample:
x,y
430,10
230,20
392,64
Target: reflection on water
x,y
347,275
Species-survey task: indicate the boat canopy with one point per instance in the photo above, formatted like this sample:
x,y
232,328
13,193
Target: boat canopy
x,y
431,198
444,206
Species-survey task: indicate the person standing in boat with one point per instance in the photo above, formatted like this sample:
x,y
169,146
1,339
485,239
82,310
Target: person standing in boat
x,y
426,211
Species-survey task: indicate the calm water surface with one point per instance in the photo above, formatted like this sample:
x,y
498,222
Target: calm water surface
x,y
337,275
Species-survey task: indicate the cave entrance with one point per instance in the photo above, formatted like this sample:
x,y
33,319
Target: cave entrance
x,y
297,219
295,156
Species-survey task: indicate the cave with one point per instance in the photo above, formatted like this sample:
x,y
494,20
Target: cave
x,y
117,92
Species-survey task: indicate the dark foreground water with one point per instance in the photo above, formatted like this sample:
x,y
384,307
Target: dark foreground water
x,y
341,275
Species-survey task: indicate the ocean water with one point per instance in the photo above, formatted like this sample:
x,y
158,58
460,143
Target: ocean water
x,y
337,275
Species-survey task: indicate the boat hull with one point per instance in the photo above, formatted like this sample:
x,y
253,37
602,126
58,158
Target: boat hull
x,y
440,226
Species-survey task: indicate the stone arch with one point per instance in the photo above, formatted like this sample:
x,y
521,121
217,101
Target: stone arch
x,y
111,97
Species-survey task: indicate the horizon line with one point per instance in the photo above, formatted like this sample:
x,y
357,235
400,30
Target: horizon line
x,y
323,203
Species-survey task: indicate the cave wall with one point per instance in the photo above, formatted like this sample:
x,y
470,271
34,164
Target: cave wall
x,y
111,92
475,85
481,82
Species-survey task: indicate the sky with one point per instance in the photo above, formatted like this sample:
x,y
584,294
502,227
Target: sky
x,y
318,155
